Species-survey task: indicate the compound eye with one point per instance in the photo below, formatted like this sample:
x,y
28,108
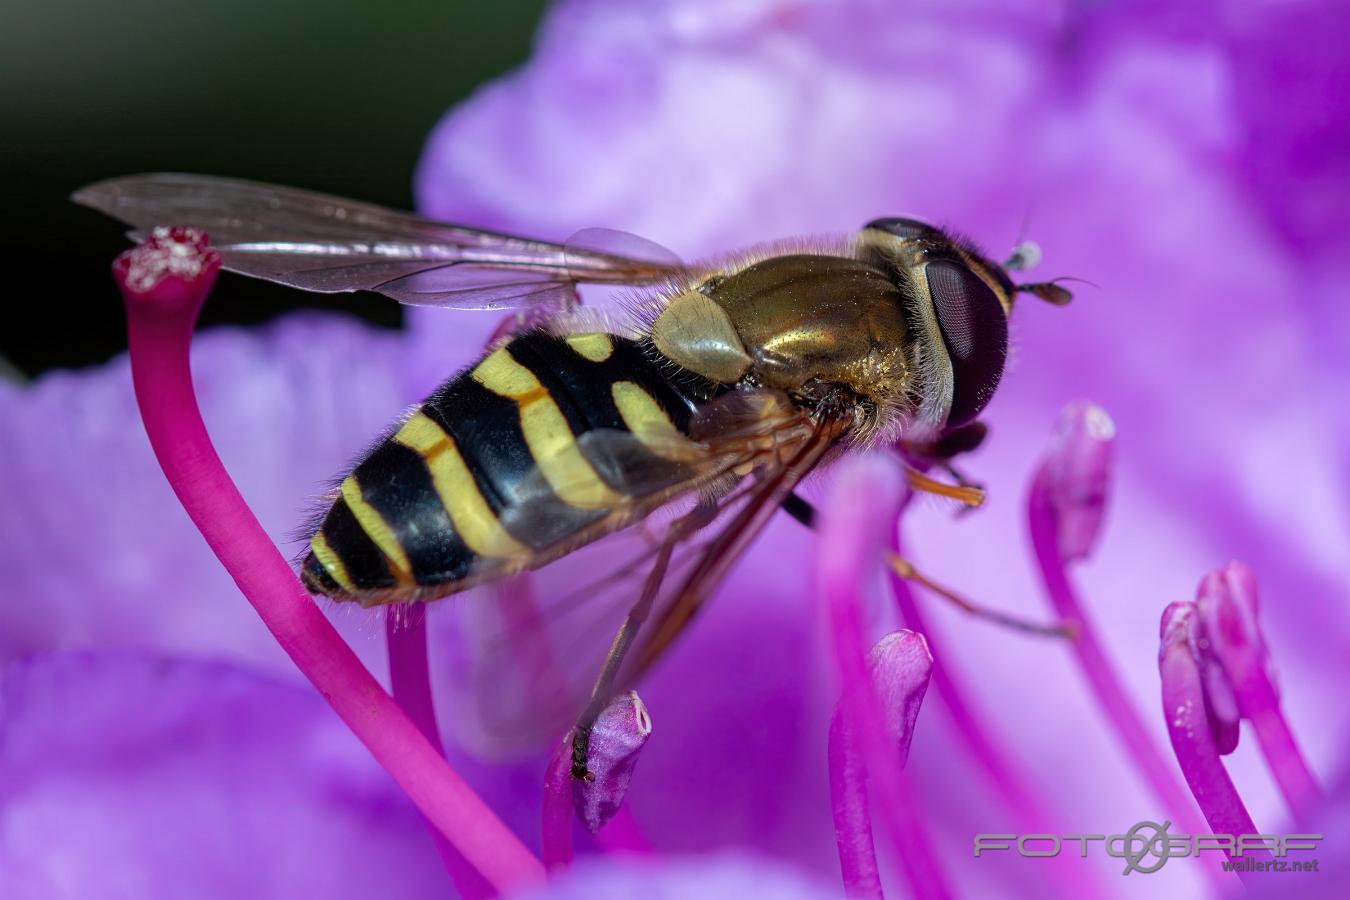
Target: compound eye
x,y
905,229
975,332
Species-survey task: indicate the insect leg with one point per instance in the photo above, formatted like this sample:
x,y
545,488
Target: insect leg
x,y
968,494
603,691
802,510
939,453
905,569
731,541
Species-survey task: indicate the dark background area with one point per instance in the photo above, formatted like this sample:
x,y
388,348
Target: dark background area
x,y
337,96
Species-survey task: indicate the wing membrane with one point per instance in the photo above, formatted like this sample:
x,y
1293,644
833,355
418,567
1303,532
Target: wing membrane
x,y
532,653
525,651
328,244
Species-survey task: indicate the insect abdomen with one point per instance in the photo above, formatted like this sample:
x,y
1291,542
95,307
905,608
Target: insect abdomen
x,y
488,474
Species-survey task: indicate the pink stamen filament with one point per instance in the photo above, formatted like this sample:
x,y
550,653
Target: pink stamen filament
x,y
622,834
1226,603
1258,700
410,680
1008,784
864,504
160,336
1192,738
1092,660
852,816
557,807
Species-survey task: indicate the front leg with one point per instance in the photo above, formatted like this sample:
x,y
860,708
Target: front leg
x,y
939,452
604,688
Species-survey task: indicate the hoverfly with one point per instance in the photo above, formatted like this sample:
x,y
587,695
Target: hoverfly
x,y
731,383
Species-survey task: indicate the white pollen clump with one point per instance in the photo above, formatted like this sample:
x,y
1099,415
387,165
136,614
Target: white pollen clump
x,y
1098,424
165,255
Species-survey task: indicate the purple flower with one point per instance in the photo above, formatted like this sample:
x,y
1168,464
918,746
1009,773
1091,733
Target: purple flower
x,y
1189,161
726,876
1127,137
127,774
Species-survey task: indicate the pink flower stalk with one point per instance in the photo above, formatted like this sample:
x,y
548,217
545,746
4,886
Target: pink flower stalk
x,y
861,510
1229,636
852,815
1001,773
900,666
1183,699
410,682
556,832
1065,511
622,835
164,284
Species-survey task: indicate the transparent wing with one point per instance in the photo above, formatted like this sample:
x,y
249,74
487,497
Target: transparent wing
x,y
328,244
524,651
529,647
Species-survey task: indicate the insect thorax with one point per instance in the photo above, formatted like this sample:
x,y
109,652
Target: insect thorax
x,y
796,322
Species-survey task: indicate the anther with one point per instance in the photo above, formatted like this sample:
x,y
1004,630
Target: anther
x,y
1077,475
616,740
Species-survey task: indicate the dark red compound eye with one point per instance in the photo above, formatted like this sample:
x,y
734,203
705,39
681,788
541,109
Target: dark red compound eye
x,y
975,332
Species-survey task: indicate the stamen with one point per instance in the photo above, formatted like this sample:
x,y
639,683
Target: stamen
x,y
900,666
405,629
1078,477
1065,513
1183,700
557,808
852,816
164,284
617,737
622,835
1221,705
863,505
1229,634
173,271
1013,791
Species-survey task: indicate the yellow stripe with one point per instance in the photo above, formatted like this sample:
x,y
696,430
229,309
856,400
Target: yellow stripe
x,y
595,346
648,421
331,562
374,525
470,514
555,451
502,375
547,433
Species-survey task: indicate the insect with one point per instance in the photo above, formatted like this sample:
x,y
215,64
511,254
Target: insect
x,y
726,385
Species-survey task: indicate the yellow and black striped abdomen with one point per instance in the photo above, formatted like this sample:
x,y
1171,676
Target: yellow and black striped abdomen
x,y
490,472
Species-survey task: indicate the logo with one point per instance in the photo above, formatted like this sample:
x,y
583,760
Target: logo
x,y
1147,846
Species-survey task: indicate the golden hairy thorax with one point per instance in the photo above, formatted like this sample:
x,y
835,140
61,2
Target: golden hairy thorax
x,y
788,321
